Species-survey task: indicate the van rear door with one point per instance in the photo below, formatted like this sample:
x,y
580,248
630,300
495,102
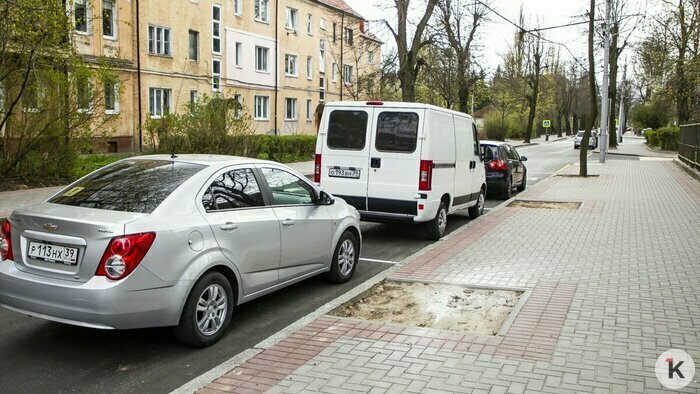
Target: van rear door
x,y
395,160
344,148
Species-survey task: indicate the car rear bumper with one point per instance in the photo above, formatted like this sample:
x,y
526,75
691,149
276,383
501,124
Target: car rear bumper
x,y
97,303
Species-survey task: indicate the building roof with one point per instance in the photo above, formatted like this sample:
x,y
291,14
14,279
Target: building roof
x,y
342,6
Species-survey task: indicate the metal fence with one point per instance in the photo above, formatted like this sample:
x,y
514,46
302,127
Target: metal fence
x,y
689,145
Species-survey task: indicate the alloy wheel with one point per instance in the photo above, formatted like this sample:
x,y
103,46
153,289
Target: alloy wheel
x,y
346,257
211,309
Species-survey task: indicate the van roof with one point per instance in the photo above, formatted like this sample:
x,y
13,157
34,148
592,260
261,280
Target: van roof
x,y
394,104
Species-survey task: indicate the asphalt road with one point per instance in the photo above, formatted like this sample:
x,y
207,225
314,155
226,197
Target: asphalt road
x,y
38,356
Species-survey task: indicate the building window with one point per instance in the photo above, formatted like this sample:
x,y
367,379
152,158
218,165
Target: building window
x,y
322,24
159,102
290,21
334,69
334,29
193,45
111,98
309,25
322,56
238,54
238,7
261,58
261,106
309,68
80,15
109,18
370,57
83,94
322,88
159,40
216,28
216,75
290,65
238,109
261,10
194,97
347,74
290,109
309,112
348,36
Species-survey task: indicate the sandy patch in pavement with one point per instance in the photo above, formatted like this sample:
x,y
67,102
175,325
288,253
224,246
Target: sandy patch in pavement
x,y
433,305
545,204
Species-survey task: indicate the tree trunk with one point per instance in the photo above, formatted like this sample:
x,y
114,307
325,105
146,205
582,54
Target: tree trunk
x,y
533,108
612,91
567,122
583,156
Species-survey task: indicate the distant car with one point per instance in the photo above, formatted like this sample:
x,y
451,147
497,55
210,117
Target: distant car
x,y
505,168
579,137
160,241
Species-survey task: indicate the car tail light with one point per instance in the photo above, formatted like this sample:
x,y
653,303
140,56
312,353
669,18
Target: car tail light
x,y
497,165
317,169
5,241
123,254
425,179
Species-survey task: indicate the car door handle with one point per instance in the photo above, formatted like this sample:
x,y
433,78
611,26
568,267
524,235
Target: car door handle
x,y
229,226
288,222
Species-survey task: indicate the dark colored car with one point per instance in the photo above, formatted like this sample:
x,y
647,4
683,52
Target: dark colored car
x,y
505,168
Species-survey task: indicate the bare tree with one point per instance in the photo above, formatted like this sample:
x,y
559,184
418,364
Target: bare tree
x,y
583,157
535,53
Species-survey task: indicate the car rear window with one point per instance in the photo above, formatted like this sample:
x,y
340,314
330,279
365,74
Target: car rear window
x,y
580,134
490,152
347,130
129,186
397,132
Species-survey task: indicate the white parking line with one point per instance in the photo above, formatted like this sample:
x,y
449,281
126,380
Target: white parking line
x,y
378,261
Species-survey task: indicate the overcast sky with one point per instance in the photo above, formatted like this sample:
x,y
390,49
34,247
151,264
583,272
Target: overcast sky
x,y
497,34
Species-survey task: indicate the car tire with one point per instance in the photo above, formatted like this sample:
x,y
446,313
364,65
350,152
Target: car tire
x,y
523,184
507,191
345,258
478,209
209,292
437,227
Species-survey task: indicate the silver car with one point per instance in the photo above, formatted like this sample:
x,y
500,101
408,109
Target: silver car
x,y
173,241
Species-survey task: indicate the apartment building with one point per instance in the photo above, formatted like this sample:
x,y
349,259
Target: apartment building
x,y
280,59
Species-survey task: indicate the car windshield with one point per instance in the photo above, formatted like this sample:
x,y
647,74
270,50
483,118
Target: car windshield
x,y
130,186
580,134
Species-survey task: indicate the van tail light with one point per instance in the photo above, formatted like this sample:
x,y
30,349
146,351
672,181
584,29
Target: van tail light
x,y
374,103
5,241
317,169
499,165
124,254
425,179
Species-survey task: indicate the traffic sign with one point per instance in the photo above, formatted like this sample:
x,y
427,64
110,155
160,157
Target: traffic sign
x,y
546,123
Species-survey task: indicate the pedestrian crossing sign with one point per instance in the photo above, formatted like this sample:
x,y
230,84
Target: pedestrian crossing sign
x,y
546,123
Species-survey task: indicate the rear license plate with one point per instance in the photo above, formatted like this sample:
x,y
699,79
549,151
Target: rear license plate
x,y
343,173
53,253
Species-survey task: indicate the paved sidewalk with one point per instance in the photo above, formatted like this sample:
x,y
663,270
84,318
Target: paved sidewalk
x,y
636,146
23,198
612,285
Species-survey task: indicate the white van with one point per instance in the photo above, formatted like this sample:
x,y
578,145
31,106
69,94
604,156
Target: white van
x,y
401,162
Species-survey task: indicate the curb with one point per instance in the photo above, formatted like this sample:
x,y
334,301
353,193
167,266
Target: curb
x,y
690,171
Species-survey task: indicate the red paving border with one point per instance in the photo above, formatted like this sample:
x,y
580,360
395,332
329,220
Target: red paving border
x,y
687,182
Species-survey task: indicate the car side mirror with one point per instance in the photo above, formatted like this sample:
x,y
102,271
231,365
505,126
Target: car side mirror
x,y
523,158
325,199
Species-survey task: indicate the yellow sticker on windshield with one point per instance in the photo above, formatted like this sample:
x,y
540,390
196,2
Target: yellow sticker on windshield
x,y
72,192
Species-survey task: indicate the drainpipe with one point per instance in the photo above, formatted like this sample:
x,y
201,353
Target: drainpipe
x,y
138,76
277,44
342,41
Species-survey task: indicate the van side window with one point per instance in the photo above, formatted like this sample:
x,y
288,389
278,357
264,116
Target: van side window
x,y
397,132
476,140
347,130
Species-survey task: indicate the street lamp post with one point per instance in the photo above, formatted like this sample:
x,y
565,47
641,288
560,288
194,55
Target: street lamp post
x,y
604,102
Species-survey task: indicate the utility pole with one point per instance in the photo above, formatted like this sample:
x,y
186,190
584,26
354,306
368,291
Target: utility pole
x,y
604,99
621,117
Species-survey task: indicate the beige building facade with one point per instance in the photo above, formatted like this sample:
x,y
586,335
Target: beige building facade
x,y
280,59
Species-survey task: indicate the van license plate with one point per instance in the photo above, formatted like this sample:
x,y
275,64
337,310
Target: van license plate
x,y
53,253
343,173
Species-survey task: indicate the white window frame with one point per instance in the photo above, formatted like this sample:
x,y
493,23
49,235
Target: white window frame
x,y
189,44
114,20
309,24
90,92
309,68
322,88
309,110
349,36
115,93
322,24
265,59
291,65
163,103
215,76
262,103
370,57
334,72
194,97
293,107
238,54
322,56
347,76
216,38
261,14
291,19
88,17
238,7
156,47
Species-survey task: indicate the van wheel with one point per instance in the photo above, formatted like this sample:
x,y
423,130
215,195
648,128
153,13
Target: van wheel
x,y
436,227
207,312
345,258
523,184
478,209
508,189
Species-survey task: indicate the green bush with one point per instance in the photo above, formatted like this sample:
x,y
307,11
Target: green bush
x,y
651,138
498,127
668,137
